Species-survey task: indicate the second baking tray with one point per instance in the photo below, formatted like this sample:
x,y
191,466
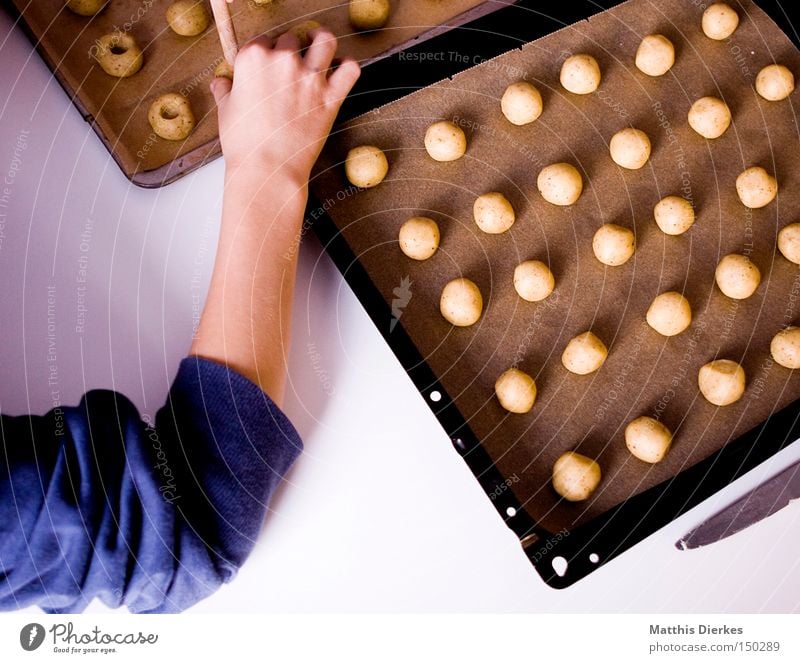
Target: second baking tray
x,y
455,369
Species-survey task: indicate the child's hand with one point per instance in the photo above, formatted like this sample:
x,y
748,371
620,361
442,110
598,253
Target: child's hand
x,y
280,108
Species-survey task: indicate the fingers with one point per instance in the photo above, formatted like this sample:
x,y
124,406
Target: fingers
x,y
321,50
343,79
288,42
220,88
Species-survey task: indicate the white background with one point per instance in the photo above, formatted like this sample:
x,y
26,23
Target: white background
x,y
380,514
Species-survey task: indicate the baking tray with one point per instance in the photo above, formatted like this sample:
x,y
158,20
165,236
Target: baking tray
x,y
455,369
117,108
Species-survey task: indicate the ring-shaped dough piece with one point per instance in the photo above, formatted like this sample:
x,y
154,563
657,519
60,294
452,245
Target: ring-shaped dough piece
x,y
630,148
648,439
445,141
584,354
669,314
419,237
580,74
461,302
722,382
775,82
171,116
655,55
710,117
560,184
118,54
516,391
366,166
575,476
756,187
785,347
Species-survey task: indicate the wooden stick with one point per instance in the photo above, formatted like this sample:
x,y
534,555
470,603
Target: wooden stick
x,y
227,35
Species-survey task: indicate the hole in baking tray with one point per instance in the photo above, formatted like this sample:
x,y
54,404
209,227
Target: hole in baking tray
x,y
511,511
118,49
436,396
168,113
559,566
594,558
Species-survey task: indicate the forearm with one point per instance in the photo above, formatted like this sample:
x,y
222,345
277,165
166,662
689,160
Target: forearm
x,y
247,316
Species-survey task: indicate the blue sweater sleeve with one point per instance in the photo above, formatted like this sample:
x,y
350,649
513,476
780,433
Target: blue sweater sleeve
x,y
95,502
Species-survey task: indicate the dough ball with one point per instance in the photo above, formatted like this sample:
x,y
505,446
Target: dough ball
x,y
461,303
613,245
262,3
521,103
710,117
756,187
785,347
674,215
516,391
655,55
187,18
86,7
670,313
630,148
575,477
493,213
720,21
560,184
789,242
737,276
366,166
648,439
721,381
445,141
419,237
533,280
223,70
301,31
580,74
369,14
171,116
118,54
775,82
584,354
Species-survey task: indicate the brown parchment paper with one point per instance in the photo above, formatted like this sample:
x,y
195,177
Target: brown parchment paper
x,y
186,64
645,374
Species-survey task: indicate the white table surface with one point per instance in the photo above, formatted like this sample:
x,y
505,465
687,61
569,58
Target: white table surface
x,y
379,514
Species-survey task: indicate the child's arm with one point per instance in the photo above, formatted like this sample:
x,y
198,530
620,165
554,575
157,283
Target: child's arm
x,y
274,120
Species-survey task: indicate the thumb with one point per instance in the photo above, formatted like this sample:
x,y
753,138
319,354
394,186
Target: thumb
x,y
220,88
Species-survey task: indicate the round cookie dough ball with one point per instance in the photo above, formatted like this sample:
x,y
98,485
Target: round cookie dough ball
x,y
533,280
560,184
86,7
648,439
613,245
785,347
721,382
775,82
516,391
369,14
670,313
118,54
444,141
366,166
789,242
171,116
710,117
584,354
580,74
630,148
223,70
575,477
521,103
493,213
756,187
720,21
419,237
301,31
737,276
674,215
187,18
461,303
655,55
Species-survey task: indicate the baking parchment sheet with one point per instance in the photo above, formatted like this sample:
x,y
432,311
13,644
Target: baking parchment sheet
x,y
186,64
645,374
